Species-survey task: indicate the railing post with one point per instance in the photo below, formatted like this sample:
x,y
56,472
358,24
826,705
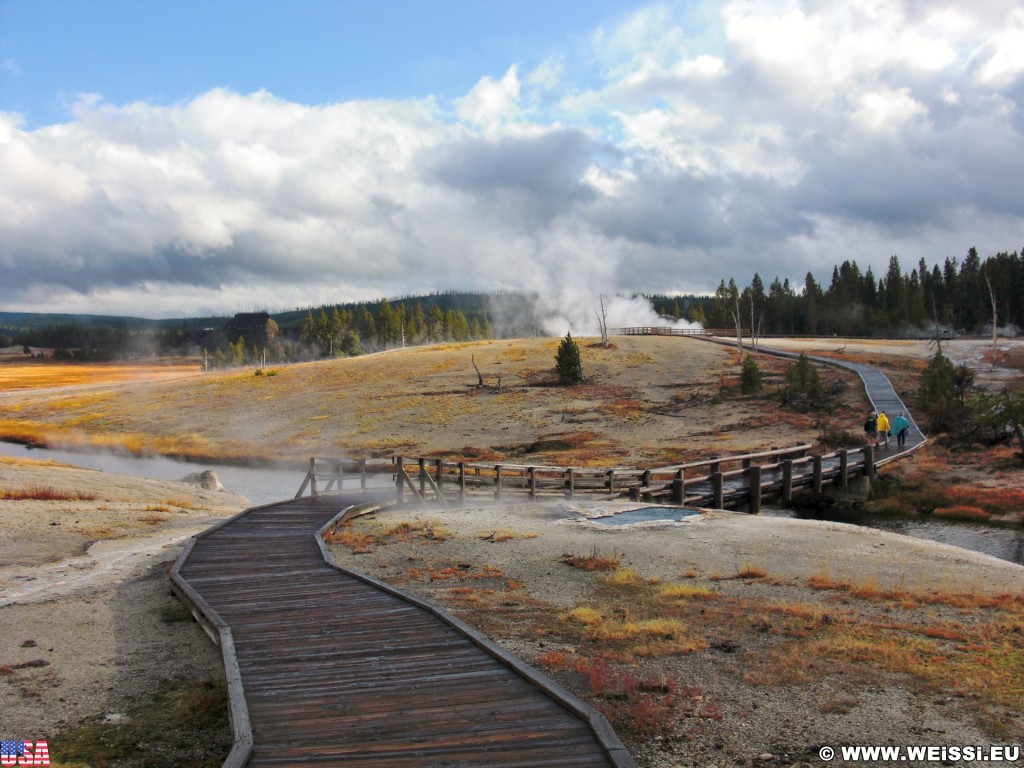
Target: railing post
x,y
755,489
398,469
571,484
610,481
362,474
679,488
439,476
869,461
787,480
462,481
312,478
816,464
497,481
844,468
533,481
718,490
645,482
423,477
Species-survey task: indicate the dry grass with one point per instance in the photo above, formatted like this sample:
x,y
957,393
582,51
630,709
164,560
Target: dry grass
x,y
501,535
44,493
595,561
850,633
361,543
39,374
418,401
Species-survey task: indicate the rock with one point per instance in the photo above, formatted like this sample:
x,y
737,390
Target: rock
x,y
206,480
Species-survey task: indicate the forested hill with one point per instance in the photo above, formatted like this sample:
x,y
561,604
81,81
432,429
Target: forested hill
x,y
954,297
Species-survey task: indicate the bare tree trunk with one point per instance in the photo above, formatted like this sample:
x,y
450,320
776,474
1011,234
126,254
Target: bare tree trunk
x,y
995,318
602,321
479,376
738,318
753,324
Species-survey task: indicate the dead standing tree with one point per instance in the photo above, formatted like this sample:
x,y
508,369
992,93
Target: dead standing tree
x,y
602,322
480,377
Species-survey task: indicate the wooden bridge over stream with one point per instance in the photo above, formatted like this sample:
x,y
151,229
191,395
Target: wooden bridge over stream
x,y
329,667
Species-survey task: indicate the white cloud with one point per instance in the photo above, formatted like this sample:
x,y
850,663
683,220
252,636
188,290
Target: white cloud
x,y
782,139
491,102
886,110
1002,54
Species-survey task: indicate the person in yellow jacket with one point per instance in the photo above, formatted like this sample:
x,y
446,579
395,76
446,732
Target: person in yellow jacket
x,y
883,429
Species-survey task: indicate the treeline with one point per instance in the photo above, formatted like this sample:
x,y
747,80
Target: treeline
x,y
956,297
353,331
84,341
950,298
340,330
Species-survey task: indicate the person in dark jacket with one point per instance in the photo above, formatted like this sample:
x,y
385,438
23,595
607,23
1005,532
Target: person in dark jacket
x,y
871,428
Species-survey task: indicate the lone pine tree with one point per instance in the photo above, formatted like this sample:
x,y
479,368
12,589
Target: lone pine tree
x,y
567,361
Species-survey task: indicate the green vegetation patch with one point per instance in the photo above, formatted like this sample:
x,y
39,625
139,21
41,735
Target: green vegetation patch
x,y
185,724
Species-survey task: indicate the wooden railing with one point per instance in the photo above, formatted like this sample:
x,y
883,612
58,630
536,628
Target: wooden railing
x,y
727,481
665,330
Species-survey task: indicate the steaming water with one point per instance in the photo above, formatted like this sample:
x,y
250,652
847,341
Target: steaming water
x,y
263,486
260,485
1002,542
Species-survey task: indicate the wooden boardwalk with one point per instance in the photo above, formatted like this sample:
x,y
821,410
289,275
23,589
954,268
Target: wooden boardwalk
x,y
327,667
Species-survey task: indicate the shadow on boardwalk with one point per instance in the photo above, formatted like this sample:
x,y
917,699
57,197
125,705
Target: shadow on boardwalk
x,y
326,667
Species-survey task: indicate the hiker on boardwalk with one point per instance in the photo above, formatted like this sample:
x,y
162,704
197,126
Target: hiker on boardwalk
x,y
883,429
900,427
871,428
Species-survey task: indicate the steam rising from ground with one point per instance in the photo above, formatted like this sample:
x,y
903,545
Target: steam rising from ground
x,y
579,314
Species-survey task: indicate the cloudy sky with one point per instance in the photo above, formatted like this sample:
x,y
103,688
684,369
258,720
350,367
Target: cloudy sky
x,y
191,157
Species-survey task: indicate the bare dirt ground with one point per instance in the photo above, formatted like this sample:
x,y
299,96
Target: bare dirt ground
x,y
84,593
91,587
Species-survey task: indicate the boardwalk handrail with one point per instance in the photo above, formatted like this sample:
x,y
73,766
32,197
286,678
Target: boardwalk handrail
x,y
667,330
723,481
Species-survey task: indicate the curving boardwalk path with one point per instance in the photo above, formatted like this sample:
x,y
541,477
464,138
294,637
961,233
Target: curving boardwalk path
x,y
881,394
326,667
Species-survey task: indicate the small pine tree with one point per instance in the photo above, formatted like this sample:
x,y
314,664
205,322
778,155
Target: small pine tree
x,y
802,382
750,376
567,361
941,394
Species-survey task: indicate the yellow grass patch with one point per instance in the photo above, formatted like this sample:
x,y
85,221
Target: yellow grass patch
x,y
584,615
685,592
38,374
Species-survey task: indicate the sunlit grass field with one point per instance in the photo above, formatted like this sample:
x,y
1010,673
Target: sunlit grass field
x,y
37,374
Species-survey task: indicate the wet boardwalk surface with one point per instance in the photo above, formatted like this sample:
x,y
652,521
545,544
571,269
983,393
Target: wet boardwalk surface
x,y
336,670
882,396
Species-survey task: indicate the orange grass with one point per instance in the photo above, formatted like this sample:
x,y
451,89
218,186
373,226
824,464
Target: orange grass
x,y
39,374
44,493
962,512
593,562
800,641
